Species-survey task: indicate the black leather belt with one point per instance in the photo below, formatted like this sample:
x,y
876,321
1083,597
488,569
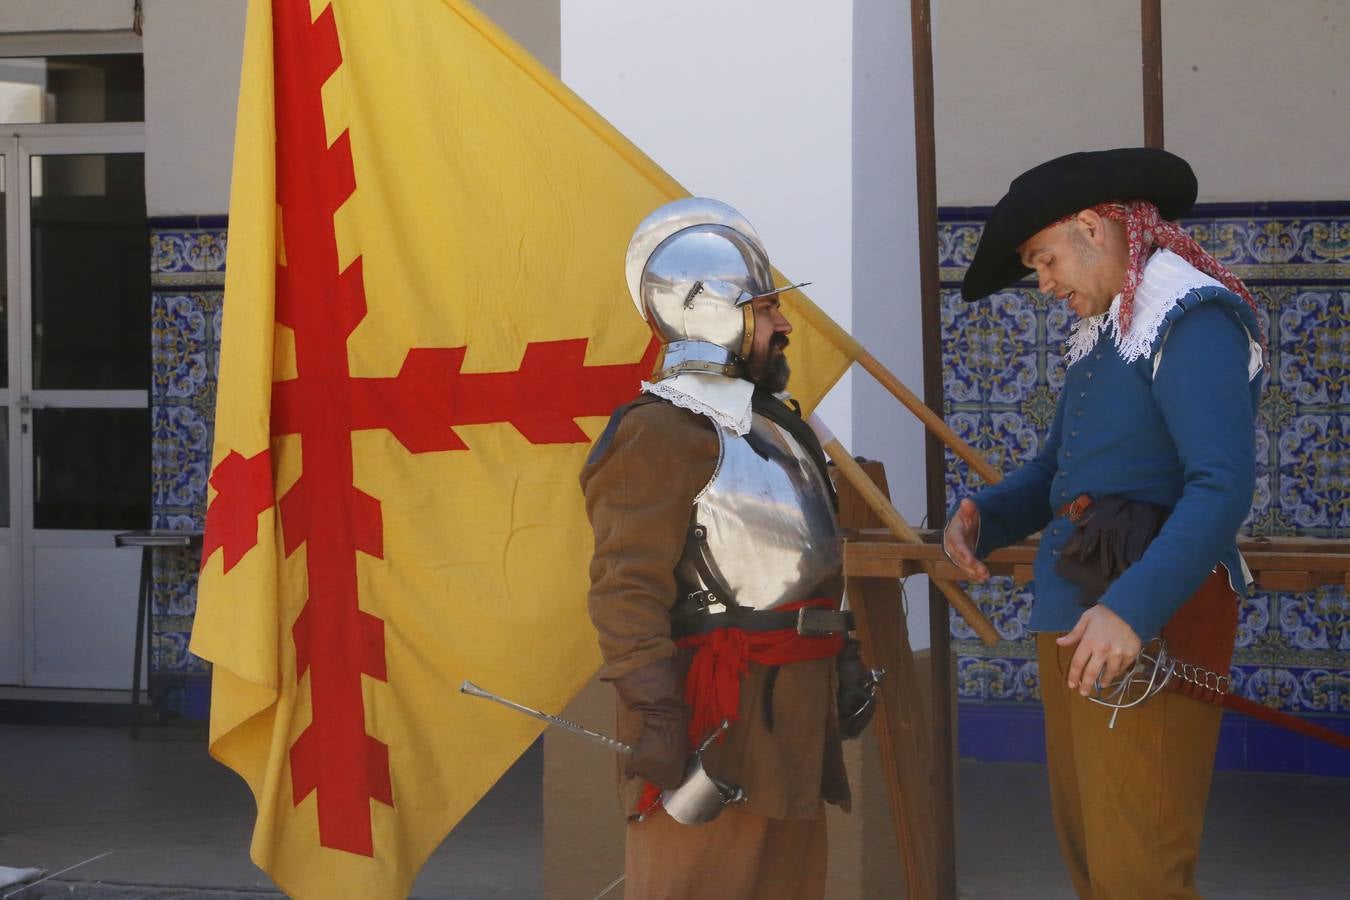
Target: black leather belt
x,y
809,621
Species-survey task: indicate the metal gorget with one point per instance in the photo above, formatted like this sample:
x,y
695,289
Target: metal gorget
x,y
763,533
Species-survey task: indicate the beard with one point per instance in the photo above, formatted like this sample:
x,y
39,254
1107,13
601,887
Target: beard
x,y
771,374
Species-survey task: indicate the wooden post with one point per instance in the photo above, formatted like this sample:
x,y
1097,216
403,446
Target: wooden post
x,y
880,504
900,720
1150,16
930,304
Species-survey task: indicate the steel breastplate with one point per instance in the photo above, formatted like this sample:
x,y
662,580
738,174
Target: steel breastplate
x,y
763,532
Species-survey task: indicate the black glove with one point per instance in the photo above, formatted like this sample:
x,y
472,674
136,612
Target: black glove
x,y
662,749
855,699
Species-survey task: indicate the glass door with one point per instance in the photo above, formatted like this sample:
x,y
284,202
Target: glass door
x,y
81,402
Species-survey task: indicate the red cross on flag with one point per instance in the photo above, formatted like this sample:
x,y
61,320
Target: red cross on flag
x,y
425,325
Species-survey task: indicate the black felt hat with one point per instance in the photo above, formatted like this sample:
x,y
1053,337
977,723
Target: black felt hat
x,y
1063,186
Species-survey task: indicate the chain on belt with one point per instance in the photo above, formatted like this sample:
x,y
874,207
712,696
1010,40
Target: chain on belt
x,y
1153,670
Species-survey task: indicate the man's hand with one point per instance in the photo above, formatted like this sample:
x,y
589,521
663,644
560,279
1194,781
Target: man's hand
x,y
1107,646
662,749
959,540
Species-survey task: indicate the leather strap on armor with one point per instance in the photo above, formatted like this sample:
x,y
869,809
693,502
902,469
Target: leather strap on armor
x,y
791,421
717,594
807,621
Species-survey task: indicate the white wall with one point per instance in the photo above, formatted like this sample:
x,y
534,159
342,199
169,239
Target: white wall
x,y
747,101
1256,94
1021,81
66,15
193,51
886,311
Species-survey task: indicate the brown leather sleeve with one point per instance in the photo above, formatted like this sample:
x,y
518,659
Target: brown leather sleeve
x,y
639,497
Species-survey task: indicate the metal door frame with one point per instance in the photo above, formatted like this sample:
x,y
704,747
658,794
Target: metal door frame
x,y
13,609
25,142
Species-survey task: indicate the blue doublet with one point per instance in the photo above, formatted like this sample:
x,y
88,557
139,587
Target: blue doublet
x,y
1180,434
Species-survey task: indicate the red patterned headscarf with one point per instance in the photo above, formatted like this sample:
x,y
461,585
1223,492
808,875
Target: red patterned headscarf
x,y
1146,230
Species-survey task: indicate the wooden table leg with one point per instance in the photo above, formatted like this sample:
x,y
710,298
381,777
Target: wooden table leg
x,y
142,614
900,721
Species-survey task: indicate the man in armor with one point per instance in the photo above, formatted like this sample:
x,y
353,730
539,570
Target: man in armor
x,y
717,574
1138,492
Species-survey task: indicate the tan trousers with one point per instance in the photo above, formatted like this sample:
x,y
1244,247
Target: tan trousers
x,y
1129,802
737,856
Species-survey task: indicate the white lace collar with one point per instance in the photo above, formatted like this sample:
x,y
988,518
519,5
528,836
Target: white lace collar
x,y
723,399
1167,278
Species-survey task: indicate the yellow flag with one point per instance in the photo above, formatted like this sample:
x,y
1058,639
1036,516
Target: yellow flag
x,y
426,322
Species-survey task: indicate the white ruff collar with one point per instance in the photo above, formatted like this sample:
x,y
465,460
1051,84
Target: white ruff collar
x,y
723,399
1167,278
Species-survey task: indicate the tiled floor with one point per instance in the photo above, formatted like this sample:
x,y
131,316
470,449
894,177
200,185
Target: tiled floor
x,y
176,819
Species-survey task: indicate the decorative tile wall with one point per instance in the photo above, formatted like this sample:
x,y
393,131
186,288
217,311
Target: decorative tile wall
x,y
187,277
1002,371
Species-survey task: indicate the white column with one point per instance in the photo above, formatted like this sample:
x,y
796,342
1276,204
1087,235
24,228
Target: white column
x,y
886,311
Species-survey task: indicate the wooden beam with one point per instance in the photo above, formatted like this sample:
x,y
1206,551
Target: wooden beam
x,y
1284,580
902,735
935,457
1301,548
899,722
1151,39
1291,564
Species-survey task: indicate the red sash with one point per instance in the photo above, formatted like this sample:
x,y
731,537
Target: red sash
x,y
712,688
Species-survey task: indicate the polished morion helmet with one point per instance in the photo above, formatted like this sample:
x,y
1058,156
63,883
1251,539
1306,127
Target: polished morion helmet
x,y
693,267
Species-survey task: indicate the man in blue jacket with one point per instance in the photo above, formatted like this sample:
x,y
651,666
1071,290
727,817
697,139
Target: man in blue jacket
x,y
1164,366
